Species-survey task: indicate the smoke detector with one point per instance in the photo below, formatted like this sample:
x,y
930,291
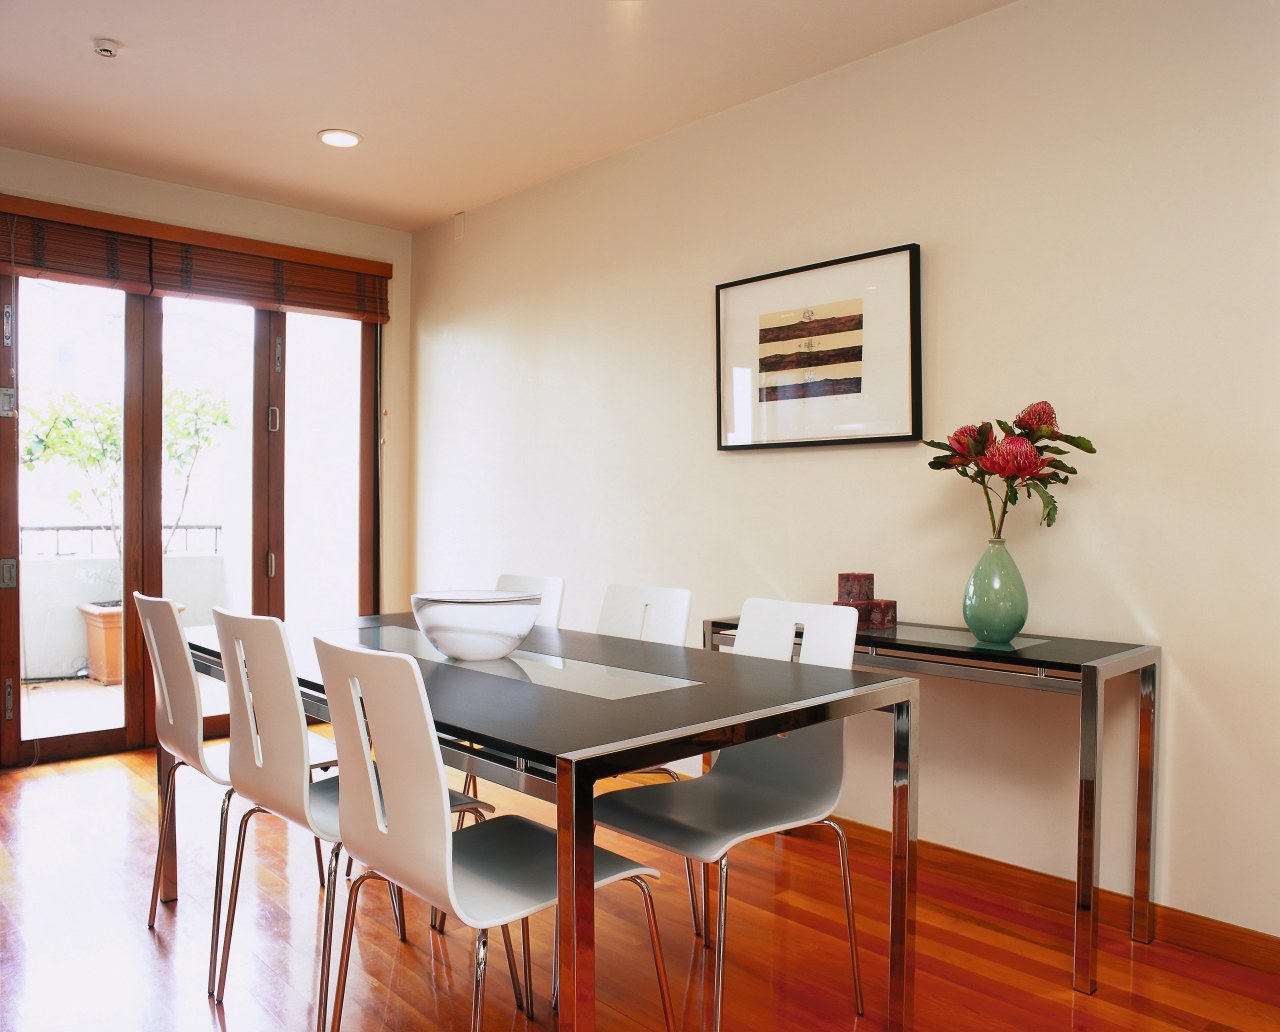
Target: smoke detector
x,y
107,47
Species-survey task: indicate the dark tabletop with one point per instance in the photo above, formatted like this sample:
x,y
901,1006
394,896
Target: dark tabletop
x,y
490,705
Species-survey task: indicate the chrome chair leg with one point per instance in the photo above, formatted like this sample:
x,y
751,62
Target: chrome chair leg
x,y
842,844
693,898
311,776
344,957
706,906
477,985
555,959
235,895
528,966
512,968
166,813
651,916
397,909
720,920
326,936
217,886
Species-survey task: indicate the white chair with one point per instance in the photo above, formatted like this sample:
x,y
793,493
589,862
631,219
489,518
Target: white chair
x,y
760,787
646,614
550,588
271,758
180,730
395,821
658,615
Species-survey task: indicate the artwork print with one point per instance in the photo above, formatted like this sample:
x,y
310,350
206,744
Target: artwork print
x,y
824,354
814,352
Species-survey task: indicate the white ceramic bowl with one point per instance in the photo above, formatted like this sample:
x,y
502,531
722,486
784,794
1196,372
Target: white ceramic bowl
x,y
476,625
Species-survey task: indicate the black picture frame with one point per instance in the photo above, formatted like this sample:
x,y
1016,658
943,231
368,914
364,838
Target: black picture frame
x,y
827,353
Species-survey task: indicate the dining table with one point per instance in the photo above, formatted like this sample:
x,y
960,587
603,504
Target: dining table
x,y
570,708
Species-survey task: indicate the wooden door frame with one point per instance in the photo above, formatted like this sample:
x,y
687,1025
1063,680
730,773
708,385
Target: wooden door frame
x,y
141,412
10,612
370,469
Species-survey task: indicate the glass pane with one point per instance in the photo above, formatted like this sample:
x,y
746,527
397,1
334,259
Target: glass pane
x,y
322,464
207,486
70,426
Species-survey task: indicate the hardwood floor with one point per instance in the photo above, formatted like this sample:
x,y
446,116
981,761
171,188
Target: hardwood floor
x,y
77,841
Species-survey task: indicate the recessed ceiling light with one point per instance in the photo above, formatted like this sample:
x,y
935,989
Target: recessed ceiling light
x,y
339,137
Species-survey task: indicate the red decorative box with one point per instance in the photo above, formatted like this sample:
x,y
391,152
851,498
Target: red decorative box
x,y
875,614
856,587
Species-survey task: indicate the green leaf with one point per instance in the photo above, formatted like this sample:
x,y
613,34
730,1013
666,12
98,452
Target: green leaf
x,y
1007,428
939,444
1050,513
1082,443
1060,466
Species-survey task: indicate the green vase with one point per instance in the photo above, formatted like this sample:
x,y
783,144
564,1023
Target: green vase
x,y
995,599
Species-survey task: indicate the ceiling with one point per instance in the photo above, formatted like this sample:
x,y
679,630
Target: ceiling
x,y
459,102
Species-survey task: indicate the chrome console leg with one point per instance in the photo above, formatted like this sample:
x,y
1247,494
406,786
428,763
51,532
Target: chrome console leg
x,y
842,843
651,916
902,865
1143,926
1085,968
166,815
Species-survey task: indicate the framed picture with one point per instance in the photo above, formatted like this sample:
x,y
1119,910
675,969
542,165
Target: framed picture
x,y
824,354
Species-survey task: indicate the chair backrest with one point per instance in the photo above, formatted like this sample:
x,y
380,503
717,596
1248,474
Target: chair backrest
x,y
767,628
394,817
551,589
810,761
270,760
648,614
179,716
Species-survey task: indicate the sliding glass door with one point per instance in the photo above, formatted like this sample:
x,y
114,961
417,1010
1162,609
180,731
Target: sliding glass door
x,y
70,443
167,446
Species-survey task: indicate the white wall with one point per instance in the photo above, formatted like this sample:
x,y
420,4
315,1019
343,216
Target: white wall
x,y
1094,187
64,182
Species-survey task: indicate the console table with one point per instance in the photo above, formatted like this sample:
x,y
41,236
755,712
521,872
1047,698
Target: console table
x,y
1073,666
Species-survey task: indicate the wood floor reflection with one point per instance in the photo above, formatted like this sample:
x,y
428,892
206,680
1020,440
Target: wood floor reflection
x,y
77,841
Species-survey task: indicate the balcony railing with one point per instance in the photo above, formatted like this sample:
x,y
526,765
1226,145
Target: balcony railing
x,y
64,540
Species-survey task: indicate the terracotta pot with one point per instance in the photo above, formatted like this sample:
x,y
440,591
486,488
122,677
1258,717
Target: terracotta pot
x,y
105,639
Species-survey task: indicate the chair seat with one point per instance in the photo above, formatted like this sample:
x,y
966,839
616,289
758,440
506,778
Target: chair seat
x,y
504,869
217,762
324,808
705,817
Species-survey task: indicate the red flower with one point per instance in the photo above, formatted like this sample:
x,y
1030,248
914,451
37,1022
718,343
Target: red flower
x,y
964,440
1037,416
1013,457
